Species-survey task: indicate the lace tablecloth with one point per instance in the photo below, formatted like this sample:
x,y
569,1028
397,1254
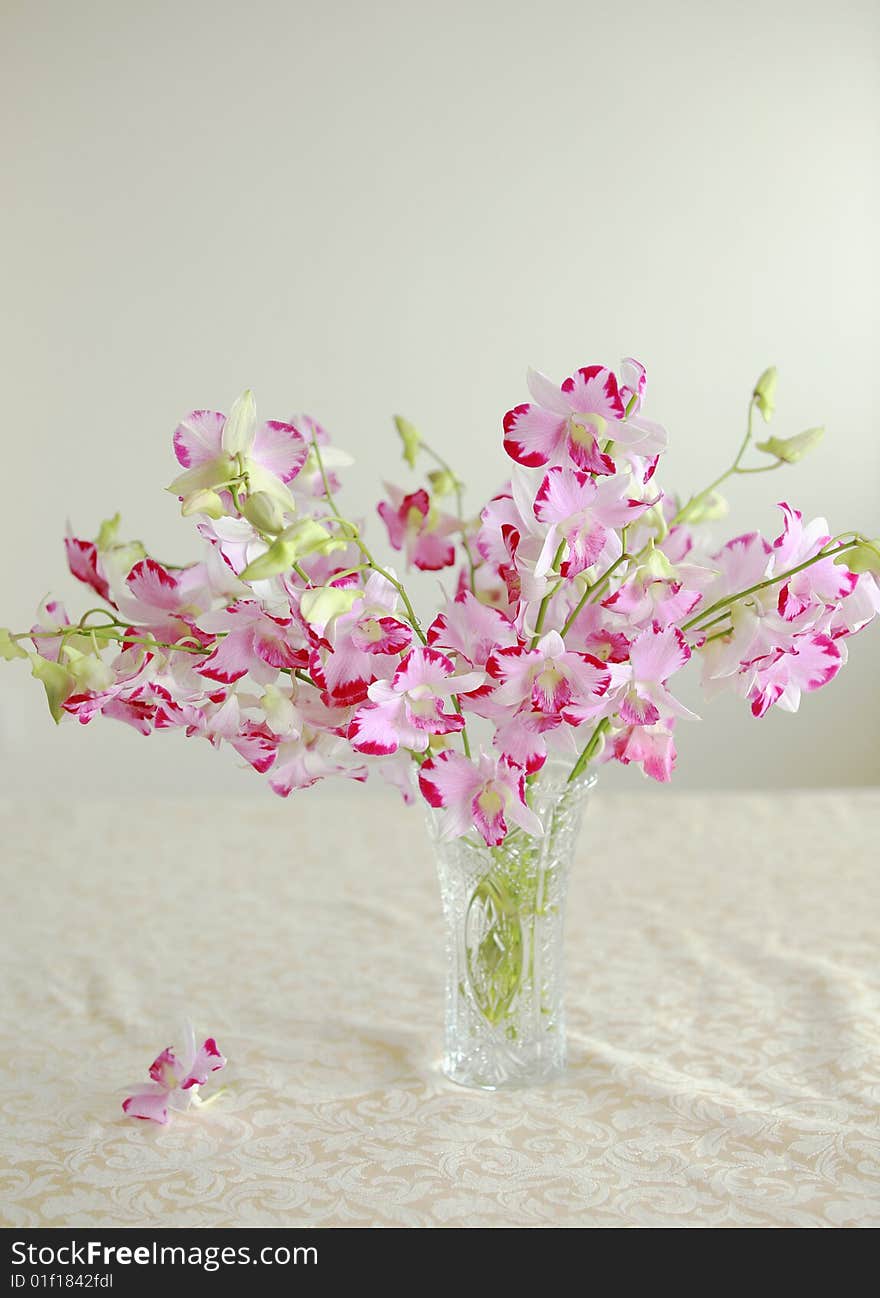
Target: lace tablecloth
x,y
724,1019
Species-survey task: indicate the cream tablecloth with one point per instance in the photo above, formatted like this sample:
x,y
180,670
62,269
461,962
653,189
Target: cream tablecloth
x,y
724,1019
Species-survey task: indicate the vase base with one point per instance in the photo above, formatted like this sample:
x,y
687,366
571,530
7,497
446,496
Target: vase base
x,y
506,1074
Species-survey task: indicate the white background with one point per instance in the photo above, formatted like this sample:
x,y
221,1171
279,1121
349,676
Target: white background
x,y
363,209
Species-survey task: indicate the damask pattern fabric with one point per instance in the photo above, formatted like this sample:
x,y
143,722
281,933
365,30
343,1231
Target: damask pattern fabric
x,y
724,1019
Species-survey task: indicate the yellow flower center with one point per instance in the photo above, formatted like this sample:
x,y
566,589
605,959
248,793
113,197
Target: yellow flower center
x,y
584,429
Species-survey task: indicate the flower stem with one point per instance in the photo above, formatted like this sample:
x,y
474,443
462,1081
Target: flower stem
x,y
590,749
459,504
763,585
542,609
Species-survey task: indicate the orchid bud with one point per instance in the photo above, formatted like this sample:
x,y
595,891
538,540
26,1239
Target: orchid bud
x,y
410,437
309,537
9,648
705,509
320,605
280,557
58,683
864,557
656,567
203,502
764,395
89,671
108,532
443,482
241,425
791,449
280,712
263,513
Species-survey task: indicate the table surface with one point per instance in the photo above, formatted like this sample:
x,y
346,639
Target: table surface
x,y
724,1019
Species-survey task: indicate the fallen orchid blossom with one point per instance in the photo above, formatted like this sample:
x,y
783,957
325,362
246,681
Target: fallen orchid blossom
x,y
175,1081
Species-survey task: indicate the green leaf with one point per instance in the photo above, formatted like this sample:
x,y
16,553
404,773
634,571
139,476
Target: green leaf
x,y
410,437
791,449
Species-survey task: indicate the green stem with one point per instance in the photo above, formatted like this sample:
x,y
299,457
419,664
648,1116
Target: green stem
x,y
359,542
545,602
590,749
763,585
411,613
459,504
719,635
104,633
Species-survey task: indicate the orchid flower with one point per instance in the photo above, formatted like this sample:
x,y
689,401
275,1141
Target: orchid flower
x,y
358,643
575,595
549,677
486,794
216,450
405,711
568,423
174,1082
416,527
586,511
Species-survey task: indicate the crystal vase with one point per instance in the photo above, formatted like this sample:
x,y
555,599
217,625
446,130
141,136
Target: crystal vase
x,y
504,910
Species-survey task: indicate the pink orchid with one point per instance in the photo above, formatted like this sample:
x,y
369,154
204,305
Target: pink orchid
x,y
405,711
780,678
415,527
312,757
649,600
638,687
51,619
215,449
486,794
471,629
174,1082
651,747
824,582
253,642
518,544
521,736
590,633
549,677
346,664
85,564
586,512
569,423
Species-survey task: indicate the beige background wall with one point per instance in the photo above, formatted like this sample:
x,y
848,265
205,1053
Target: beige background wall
x,y
358,209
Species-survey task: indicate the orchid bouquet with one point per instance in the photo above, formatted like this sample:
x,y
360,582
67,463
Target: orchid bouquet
x,y
574,598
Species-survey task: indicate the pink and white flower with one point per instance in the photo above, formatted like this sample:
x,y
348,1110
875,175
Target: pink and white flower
x,y
418,528
651,747
781,677
174,1082
216,449
571,423
638,687
586,512
549,678
405,711
472,629
487,794
252,642
358,646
